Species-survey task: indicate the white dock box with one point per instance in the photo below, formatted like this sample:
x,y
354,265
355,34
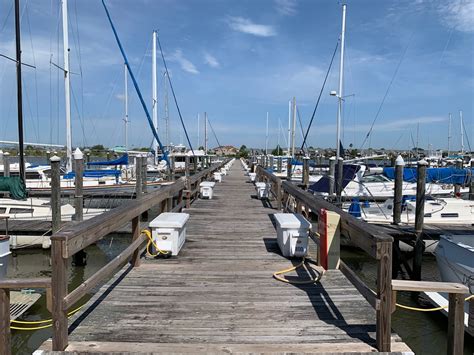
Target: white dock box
x,y
292,234
217,177
262,189
206,189
252,176
4,254
168,231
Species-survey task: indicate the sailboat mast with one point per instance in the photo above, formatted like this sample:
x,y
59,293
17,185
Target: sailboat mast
x,y
462,132
167,113
126,106
293,127
155,95
67,87
449,134
289,128
266,138
205,132
19,89
198,131
341,85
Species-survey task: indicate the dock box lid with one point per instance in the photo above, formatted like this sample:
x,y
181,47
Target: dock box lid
x,y
207,184
291,220
170,220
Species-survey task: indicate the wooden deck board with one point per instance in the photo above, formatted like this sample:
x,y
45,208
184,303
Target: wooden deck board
x,y
218,295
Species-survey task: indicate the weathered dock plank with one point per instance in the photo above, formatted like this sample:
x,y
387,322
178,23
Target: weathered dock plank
x,y
218,295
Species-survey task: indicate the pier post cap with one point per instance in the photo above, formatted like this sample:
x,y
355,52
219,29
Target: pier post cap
x,y
340,158
399,161
306,157
6,153
332,158
48,152
422,162
55,159
78,154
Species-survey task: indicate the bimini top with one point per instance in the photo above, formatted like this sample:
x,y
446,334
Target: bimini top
x,y
123,160
348,174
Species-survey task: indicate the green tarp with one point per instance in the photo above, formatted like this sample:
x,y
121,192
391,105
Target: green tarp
x,y
15,186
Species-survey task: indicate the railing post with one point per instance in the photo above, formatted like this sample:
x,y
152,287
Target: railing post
x,y
306,171
5,335
397,200
279,196
471,181
59,292
384,294
55,194
6,164
456,324
78,184
331,175
135,234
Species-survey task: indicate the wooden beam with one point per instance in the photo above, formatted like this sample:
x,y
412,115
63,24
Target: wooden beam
x,y
59,288
25,283
364,290
5,335
456,324
429,286
384,295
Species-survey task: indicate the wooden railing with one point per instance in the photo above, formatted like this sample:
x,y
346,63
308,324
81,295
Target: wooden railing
x,y
378,245
73,239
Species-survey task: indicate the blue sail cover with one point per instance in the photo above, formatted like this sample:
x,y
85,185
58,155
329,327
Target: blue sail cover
x,y
437,175
123,160
94,173
348,174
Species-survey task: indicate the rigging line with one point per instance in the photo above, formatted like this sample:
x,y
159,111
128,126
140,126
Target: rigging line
x,y
135,84
174,96
28,101
319,97
215,136
8,16
81,119
467,136
131,100
301,126
387,91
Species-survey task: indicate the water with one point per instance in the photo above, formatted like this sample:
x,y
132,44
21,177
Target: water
x,y
30,263
423,332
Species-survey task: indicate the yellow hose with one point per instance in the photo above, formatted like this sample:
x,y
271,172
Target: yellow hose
x,y
70,314
151,242
277,274
429,309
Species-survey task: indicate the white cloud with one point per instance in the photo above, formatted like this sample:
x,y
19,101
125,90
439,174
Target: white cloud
x,y
458,14
286,7
210,60
247,26
185,64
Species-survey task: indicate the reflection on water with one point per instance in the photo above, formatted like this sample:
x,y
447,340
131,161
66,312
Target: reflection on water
x,y
37,263
424,332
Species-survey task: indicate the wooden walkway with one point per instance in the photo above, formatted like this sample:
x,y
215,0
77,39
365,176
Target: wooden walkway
x,y
218,295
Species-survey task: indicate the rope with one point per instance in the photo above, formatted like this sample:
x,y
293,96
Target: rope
x,y
70,314
277,274
429,309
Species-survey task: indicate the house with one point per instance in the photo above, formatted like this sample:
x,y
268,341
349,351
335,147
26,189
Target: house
x,y
225,150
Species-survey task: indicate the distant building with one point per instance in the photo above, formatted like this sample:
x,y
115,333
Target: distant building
x,y
225,150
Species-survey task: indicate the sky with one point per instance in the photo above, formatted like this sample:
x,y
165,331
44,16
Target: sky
x,y
408,65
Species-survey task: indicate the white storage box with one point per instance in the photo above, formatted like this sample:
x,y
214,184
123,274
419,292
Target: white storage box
x,y
4,253
262,189
206,189
217,177
223,171
292,234
252,176
168,231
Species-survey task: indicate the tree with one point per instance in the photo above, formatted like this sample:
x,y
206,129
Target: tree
x,y
277,151
243,152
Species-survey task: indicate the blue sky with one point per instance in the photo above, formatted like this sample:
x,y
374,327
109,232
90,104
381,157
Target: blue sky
x,y
238,60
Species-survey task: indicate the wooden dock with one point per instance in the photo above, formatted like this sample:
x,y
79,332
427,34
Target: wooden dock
x,y
218,294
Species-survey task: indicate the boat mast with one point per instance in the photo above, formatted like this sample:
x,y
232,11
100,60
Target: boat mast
x,y
198,131
155,95
126,107
19,90
205,133
462,132
167,117
293,127
278,138
67,87
266,138
340,94
289,127
449,134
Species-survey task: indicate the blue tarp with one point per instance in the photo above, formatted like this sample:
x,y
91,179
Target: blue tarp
x,y
94,174
123,160
438,175
348,174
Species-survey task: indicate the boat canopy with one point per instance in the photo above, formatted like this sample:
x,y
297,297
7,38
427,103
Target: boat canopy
x,y
15,186
437,175
94,173
348,174
123,160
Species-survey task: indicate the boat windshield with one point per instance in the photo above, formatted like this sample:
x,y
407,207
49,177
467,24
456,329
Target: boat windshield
x,y
374,178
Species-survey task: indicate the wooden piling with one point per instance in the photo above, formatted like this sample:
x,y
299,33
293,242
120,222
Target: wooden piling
x,y
55,193
397,199
332,173
457,187
340,175
6,164
138,177
288,169
144,167
186,171
306,171
279,164
78,184
456,324
471,181
270,162
419,218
